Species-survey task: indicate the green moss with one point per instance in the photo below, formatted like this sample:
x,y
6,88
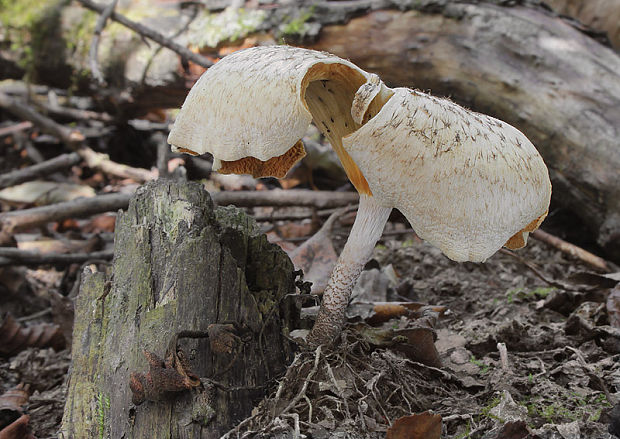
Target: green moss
x,y
297,26
209,30
524,294
486,410
30,26
103,407
566,407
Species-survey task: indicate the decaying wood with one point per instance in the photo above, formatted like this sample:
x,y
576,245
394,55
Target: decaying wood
x,y
39,170
180,266
24,219
601,15
519,64
74,139
11,222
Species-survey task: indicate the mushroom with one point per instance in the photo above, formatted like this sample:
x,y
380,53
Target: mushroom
x,y
467,183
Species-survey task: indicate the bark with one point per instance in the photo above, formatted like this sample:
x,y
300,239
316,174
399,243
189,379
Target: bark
x,y
600,15
521,65
180,265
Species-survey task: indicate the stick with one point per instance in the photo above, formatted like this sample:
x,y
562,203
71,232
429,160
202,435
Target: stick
x,y
37,171
75,141
572,249
554,283
13,256
282,198
94,45
151,34
11,222
15,128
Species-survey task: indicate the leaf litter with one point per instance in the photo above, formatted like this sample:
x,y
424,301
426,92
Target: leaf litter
x,y
559,376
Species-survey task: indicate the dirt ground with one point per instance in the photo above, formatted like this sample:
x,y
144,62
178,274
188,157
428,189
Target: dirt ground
x,y
559,378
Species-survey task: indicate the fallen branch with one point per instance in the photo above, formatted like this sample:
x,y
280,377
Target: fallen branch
x,y
37,171
15,128
14,256
571,249
150,34
93,53
74,139
281,198
11,222
554,283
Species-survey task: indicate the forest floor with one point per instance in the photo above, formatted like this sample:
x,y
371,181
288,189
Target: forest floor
x,y
559,377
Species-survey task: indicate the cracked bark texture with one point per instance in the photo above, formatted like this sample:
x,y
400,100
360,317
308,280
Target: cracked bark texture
x,y
179,265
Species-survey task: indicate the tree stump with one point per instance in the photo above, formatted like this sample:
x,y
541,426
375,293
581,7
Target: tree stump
x,y
180,265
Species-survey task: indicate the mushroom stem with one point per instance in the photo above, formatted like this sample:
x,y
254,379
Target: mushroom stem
x,y
367,229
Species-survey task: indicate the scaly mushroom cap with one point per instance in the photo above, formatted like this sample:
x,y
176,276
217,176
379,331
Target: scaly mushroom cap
x,y
251,109
467,183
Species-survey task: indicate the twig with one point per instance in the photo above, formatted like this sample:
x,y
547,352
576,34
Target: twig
x,y
281,198
151,34
94,45
11,222
37,171
503,356
302,392
16,128
73,113
538,273
571,249
75,141
13,256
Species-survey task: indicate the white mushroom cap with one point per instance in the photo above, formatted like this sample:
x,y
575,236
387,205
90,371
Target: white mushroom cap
x,y
467,183
251,106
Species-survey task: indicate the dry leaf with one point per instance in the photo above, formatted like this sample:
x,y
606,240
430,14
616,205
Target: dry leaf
x,y
13,399
101,223
317,257
14,337
17,430
422,426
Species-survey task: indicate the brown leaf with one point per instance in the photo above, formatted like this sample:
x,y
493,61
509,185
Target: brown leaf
x,y
317,257
17,429
422,426
101,223
14,337
384,311
13,399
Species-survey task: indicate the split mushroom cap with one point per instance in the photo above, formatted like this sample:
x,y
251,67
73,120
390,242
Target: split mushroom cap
x,y
467,183
251,109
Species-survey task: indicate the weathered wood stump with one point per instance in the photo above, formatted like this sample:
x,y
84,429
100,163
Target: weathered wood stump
x,y
180,265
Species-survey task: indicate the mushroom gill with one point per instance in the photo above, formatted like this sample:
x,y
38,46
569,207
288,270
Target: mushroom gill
x,y
328,91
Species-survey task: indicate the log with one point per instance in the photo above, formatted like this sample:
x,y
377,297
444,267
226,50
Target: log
x,y
523,64
180,266
519,64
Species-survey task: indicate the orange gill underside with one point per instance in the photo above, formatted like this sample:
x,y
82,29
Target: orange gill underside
x,y
274,167
517,240
327,91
